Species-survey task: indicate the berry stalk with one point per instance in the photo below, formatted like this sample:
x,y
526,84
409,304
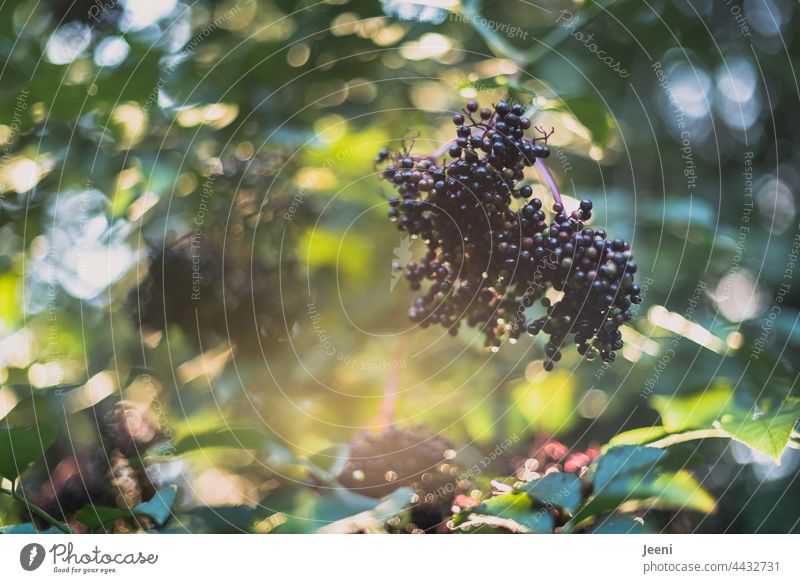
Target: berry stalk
x,y
549,180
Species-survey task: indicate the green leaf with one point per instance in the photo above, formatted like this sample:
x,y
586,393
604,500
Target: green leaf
x,y
220,519
374,519
93,517
672,491
230,437
558,489
21,446
340,503
159,507
624,461
768,433
27,528
695,411
631,473
514,506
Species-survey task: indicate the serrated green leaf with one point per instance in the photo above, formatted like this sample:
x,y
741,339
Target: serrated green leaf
x,y
22,446
559,489
768,433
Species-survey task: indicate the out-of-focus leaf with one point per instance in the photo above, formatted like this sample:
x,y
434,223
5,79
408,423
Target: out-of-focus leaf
x,y
621,524
548,405
517,507
93,517
694,411
679,212
232,437
331,460
768,433
307,511
623,461
340,503
21,446
159,507
558,489
29,392
324,248
394,502
220,519
592,113
502,47
9,300
372,520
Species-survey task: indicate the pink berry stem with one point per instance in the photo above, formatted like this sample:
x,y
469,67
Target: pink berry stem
x,y
548,180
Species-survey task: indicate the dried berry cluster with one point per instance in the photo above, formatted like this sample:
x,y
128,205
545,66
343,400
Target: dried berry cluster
x,y
226,281
190,286
110,474
382,462
491,250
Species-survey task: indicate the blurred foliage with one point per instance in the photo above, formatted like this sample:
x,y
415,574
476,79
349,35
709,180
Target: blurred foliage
x,y
250,127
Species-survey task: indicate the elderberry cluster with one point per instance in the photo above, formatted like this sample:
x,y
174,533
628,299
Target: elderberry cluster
x,y
492,252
